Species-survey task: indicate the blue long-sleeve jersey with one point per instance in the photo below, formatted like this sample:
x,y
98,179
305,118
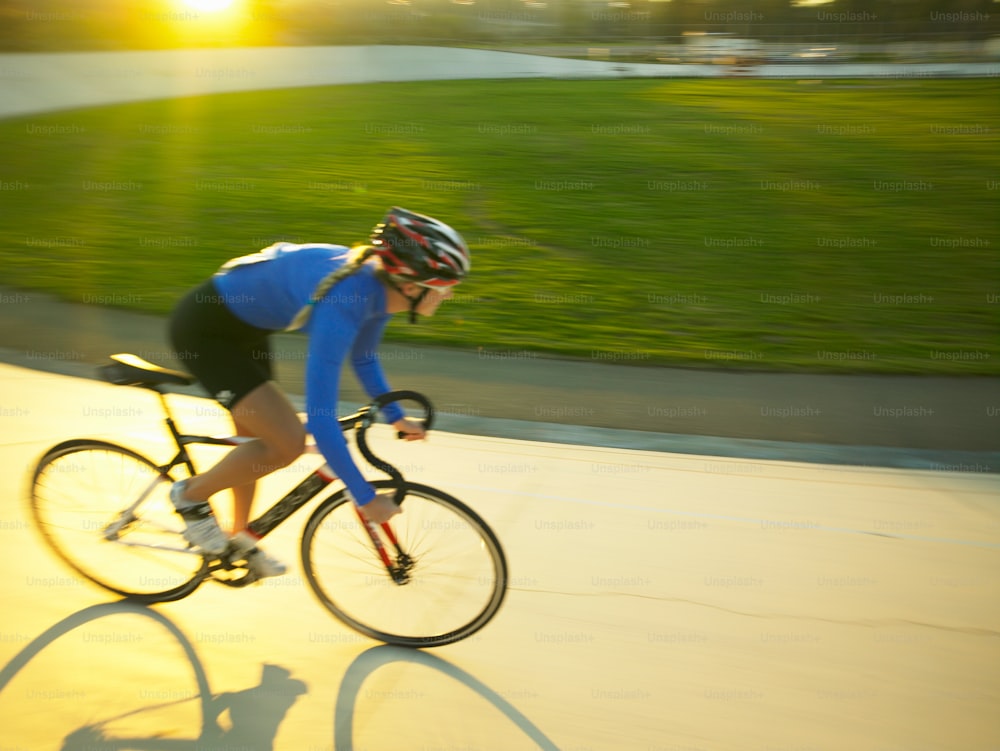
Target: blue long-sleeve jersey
x,y
267,289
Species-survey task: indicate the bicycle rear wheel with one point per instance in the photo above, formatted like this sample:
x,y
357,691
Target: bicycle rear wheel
x,y
456,572
105,511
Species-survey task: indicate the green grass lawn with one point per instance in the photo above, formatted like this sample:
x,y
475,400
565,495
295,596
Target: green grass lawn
x,y
837,226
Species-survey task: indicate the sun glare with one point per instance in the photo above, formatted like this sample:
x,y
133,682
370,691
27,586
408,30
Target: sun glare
x,y
207,6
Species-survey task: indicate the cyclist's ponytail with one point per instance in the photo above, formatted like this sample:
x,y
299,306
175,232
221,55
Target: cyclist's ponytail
x,y
354,263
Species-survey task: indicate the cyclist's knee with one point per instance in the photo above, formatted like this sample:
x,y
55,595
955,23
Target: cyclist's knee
x,y
288,447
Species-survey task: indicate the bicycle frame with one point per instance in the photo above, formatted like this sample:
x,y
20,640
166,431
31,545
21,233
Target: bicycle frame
x,y
301,494
105,510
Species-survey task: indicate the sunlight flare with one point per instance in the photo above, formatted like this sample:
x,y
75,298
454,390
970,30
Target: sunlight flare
x,y
207,6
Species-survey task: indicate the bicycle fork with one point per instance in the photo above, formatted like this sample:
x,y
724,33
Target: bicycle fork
x,y
400,570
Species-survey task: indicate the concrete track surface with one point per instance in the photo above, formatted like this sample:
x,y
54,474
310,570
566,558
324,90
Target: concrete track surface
x,y
658,602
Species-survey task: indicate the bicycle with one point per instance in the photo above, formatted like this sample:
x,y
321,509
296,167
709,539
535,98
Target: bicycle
x,y
431,576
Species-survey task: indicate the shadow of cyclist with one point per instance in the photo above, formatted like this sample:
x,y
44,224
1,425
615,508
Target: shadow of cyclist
x,y
246,720
255,714
253,717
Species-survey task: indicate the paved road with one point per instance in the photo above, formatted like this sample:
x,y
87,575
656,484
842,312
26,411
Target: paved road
x,y
39,82
658,601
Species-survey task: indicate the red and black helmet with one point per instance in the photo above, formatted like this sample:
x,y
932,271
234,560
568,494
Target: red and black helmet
x,y
417,248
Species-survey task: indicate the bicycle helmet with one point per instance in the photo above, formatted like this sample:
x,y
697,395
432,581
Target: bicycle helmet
x,y
416,248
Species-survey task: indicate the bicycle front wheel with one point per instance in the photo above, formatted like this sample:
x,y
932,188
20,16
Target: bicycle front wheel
x,y
105,511
451,571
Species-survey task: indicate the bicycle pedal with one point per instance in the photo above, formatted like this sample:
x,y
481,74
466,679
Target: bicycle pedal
x,y
252,577
233,572
225,563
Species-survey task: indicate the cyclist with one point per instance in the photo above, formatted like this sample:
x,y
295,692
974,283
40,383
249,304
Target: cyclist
x,y
342,299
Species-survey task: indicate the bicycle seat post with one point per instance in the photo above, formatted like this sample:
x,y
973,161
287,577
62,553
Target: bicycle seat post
x,y
169,415
130,370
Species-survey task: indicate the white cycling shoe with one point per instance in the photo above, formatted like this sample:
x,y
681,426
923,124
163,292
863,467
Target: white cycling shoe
x,y
263,565
244,544
201,530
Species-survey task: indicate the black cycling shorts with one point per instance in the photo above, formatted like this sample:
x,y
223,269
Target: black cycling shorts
x,y
229,357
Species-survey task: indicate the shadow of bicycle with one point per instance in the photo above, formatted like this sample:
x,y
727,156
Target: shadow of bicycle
x,y
247,720
371,660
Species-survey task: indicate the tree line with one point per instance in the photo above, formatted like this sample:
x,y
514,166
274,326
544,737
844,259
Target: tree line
x,y
155,24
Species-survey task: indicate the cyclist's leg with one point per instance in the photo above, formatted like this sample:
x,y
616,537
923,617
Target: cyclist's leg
x,y
287,445
266,414
279,438
244,494
232,360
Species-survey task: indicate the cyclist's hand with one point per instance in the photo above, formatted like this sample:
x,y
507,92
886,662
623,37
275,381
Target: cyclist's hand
x,y
412,430
382,507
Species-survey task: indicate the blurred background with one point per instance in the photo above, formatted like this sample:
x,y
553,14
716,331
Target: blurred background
x,y
638,30
687,217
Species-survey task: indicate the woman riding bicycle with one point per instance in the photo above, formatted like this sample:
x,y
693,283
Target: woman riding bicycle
x,y
342,298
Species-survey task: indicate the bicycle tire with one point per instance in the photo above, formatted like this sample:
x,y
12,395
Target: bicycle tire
x,y
444,589
79,487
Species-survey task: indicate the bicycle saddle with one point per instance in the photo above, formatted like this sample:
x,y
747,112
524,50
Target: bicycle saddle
x,y
131,370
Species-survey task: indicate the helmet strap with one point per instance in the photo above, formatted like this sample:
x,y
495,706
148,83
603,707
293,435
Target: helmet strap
x,y
415,303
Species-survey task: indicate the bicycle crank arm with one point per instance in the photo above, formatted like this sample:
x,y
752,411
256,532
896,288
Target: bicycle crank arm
x,y
237,582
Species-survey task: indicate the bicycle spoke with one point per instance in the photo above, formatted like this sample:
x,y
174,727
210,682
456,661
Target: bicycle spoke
x,y
81,491
455,580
